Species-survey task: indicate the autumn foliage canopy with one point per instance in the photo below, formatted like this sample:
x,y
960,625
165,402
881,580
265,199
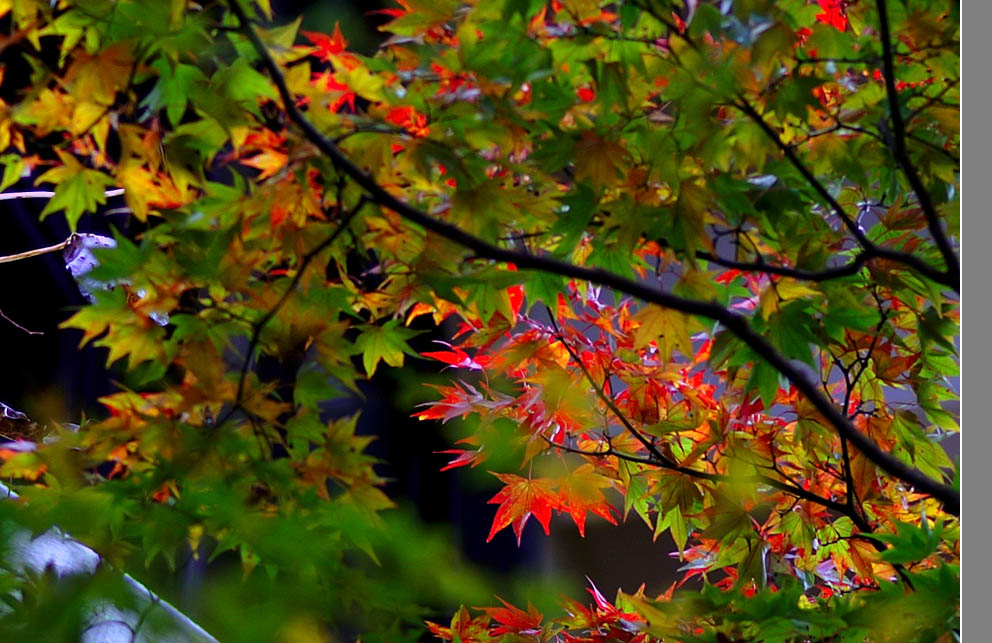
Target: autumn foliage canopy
x,y
697,262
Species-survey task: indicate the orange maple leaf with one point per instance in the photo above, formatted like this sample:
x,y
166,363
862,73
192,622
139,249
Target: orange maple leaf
x,y
581,492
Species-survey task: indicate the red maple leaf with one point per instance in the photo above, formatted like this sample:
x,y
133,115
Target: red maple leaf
x,y
409,119
457,401
833,14
513,620
327,46
456,357
465,457
520,499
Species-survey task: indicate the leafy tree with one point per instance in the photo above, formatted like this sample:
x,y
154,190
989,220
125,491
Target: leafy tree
x,y
701,255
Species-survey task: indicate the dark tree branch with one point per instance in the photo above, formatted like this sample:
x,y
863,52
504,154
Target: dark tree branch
x,y
899,148
951,278
826,274
936,148
716,477
736,323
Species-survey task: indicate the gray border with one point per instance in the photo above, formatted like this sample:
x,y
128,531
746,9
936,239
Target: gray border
x,y
976,18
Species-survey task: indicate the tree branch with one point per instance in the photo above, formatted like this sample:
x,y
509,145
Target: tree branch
x,y
899,147
951,278
716,477
27,254
733,321
45,194
826,274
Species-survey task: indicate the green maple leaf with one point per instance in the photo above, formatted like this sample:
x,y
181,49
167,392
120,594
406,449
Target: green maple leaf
x,y
77,189
386,343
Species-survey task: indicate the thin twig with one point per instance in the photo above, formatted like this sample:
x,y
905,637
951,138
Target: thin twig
x,y
45,194
27,254
260,325
18,326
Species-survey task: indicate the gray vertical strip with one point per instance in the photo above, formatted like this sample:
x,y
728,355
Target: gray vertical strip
x,y
976,308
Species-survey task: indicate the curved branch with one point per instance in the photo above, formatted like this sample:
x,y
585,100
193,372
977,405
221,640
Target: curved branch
x,y
899,147
826,274
733,321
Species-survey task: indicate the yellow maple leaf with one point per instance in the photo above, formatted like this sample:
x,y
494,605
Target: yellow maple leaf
x,y
669,329
784,290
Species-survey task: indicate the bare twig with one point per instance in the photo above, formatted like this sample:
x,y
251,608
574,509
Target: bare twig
x,y
27,254
45,194
18,326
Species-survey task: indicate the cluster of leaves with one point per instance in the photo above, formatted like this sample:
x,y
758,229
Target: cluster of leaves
x,y
712,279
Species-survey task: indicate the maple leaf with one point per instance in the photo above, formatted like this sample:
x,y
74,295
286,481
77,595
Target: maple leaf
x,y
833,14
78,189
465,457
455,357
600,160
581,492
385,343
462,628
269,162
327,46
513,620
520,499
459,401
668,329
409,119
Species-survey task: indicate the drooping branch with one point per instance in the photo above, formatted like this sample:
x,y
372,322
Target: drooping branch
x,y
899,147
846,270
733,321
